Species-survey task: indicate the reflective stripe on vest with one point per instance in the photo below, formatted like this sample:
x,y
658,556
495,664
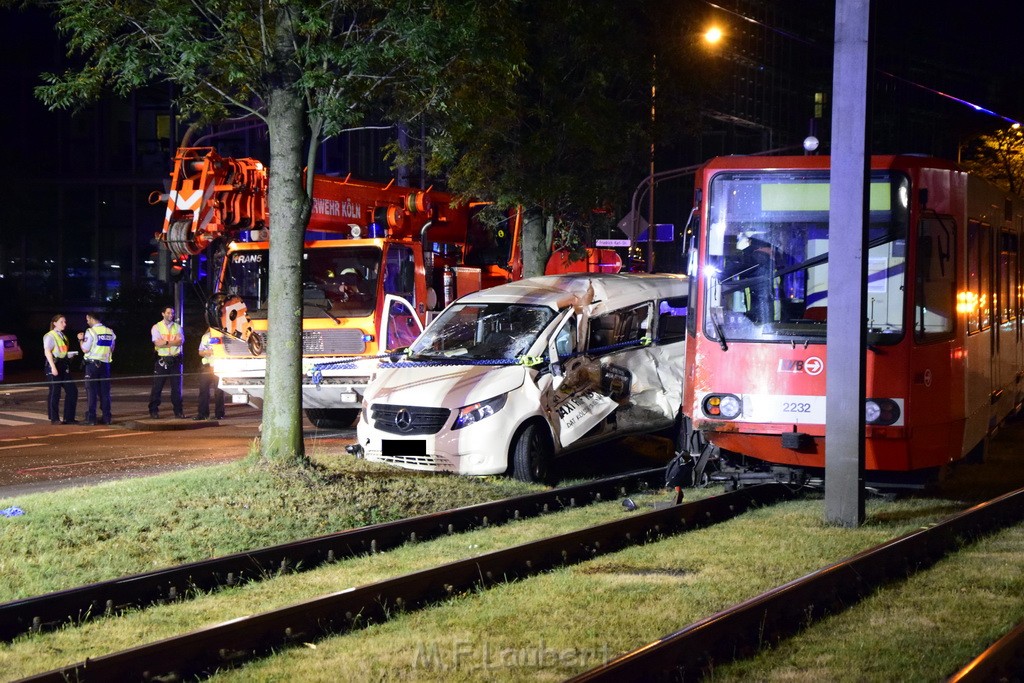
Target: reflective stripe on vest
x,y
167,332
60,344
102,346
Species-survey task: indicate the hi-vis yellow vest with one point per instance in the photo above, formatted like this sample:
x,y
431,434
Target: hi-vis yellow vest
x,y
167,331
60,344
102,348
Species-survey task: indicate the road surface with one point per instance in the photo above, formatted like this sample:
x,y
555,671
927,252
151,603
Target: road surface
x,y
38,456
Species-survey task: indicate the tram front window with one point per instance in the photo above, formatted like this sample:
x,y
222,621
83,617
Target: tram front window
x,y
766,271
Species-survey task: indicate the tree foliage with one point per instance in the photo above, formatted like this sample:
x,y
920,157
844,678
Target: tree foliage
x,y
308,70
540,103
998,157
568,134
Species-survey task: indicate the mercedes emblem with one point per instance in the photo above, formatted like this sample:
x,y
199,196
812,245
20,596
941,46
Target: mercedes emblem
x,y
403,420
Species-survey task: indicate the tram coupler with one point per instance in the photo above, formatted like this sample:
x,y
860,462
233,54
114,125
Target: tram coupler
x,y
354,449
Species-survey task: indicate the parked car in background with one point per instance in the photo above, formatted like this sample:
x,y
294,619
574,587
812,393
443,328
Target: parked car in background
x,y
508,377
12,350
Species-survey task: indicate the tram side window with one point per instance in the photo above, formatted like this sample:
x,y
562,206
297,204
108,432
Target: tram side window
x,y
975,301
1008,262
935,301
969,298
985,302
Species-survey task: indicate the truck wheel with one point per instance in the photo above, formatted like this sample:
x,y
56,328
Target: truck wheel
x,y
531,454
328,418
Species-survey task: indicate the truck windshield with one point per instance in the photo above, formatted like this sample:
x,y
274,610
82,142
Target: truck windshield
x,y
337,281
483,331
766,270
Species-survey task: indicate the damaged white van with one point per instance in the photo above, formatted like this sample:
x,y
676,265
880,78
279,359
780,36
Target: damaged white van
x,y
507,378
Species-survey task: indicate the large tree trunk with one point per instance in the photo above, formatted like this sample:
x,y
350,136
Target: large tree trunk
x,y
281,441
536,243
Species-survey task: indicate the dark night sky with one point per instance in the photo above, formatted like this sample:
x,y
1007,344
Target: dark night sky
x,y
966,49
973,46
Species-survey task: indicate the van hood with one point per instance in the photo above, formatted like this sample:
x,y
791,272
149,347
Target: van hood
x,y
450,386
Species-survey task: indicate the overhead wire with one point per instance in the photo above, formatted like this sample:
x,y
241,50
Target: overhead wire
x,y
806,41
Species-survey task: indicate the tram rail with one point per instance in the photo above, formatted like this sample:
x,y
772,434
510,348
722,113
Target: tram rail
x,y
784,610
201,652
1003,660
82,603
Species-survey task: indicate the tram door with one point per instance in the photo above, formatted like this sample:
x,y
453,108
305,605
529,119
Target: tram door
x,y
934,369
1005,321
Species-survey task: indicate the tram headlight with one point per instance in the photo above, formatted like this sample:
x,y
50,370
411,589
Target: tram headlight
x,y
881,411
723,406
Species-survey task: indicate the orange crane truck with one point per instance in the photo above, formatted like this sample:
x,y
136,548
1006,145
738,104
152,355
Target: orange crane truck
x,y
379,261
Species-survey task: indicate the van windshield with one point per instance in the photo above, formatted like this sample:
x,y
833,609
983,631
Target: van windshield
x,y
473,331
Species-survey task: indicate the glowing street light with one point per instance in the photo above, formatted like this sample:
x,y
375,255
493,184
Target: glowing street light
x,y
713,35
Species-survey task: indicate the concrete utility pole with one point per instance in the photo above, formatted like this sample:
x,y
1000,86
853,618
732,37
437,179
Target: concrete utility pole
x,y
847,246
651,225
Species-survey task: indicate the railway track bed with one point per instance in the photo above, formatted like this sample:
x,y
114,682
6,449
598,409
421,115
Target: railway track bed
x,y
202,652
669,574
170,584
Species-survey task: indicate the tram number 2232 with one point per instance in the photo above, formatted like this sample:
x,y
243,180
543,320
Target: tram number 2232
x,y
796,407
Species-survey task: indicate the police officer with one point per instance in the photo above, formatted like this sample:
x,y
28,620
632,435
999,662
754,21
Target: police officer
x,y
98,349
208,380
167,342
58,372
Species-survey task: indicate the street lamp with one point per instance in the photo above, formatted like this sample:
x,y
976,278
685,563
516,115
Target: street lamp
x,y
713,35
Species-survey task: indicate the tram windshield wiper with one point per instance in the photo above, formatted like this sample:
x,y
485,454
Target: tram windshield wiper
x,y
719,332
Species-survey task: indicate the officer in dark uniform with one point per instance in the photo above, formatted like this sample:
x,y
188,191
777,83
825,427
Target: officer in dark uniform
x,y
98,349
208,380
58,372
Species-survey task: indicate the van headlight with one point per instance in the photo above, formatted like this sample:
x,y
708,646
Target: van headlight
x,y
472,414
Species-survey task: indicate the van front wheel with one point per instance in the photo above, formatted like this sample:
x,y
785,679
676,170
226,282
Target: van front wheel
x,y
531,455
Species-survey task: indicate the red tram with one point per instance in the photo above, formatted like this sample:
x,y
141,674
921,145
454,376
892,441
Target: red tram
x,y
944,316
